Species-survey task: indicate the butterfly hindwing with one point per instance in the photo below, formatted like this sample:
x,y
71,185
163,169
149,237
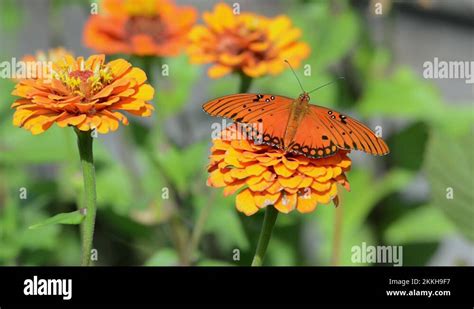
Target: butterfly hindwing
x,y
346,132
312,140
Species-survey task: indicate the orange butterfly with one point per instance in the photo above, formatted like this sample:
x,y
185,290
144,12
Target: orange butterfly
x,y
296,125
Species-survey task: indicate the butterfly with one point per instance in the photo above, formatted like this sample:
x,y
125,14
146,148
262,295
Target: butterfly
x,y
296,126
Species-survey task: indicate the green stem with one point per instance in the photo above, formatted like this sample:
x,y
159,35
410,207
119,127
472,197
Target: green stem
x,y
84,142
245,82
336,245
150,64
269,220
199,227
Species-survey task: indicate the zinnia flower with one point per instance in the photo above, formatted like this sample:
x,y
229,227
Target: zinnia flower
x,y
248,43
140,27
269,176
86,94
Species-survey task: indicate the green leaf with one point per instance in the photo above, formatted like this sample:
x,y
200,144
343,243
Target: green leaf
x,y
11,14
336,34
336,38
406,96
280,253
115,187
40,239
449,167
424,224
181,76
181,165
19,147
163,257
413,137
223,221
359,205
74,217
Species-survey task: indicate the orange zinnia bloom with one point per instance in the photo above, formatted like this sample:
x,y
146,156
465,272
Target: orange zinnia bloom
x,y
248,43
269,176
140,27
83,93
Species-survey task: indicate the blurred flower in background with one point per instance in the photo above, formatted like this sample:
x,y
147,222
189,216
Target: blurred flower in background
x,y
38,63
86,94
247,42
270,176
139,27
53,54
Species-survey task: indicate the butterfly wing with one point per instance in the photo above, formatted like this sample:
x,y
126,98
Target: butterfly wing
x,y
268,112
323,131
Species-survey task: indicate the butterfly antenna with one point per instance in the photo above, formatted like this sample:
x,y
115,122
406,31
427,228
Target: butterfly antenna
x,y
325,85
301,86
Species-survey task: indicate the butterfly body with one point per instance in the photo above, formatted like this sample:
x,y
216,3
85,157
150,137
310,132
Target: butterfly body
x,y
296,126
299,109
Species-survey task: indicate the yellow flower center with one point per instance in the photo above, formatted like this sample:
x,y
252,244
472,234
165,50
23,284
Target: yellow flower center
x,y
85,82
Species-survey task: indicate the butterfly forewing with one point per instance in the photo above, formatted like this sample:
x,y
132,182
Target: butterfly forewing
x,y
268,112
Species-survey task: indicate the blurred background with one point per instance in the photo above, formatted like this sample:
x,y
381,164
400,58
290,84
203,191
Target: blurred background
x,y
400,199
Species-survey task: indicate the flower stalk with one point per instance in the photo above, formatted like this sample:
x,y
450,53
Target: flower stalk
x,y
271,214
245,82
336,245
85,143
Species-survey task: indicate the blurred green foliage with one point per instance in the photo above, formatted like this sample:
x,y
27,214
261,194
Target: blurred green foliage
x,y
138,224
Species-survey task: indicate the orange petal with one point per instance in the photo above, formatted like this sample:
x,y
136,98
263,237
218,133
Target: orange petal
x,y
260,186
245,202
312,171
291,182
233,187
137,74
263,199
118,67
275,188
307,201
255,169
72,120
282,170
320,186
145,92
216,179
290,164
239,173
218,70
327,176
286,203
